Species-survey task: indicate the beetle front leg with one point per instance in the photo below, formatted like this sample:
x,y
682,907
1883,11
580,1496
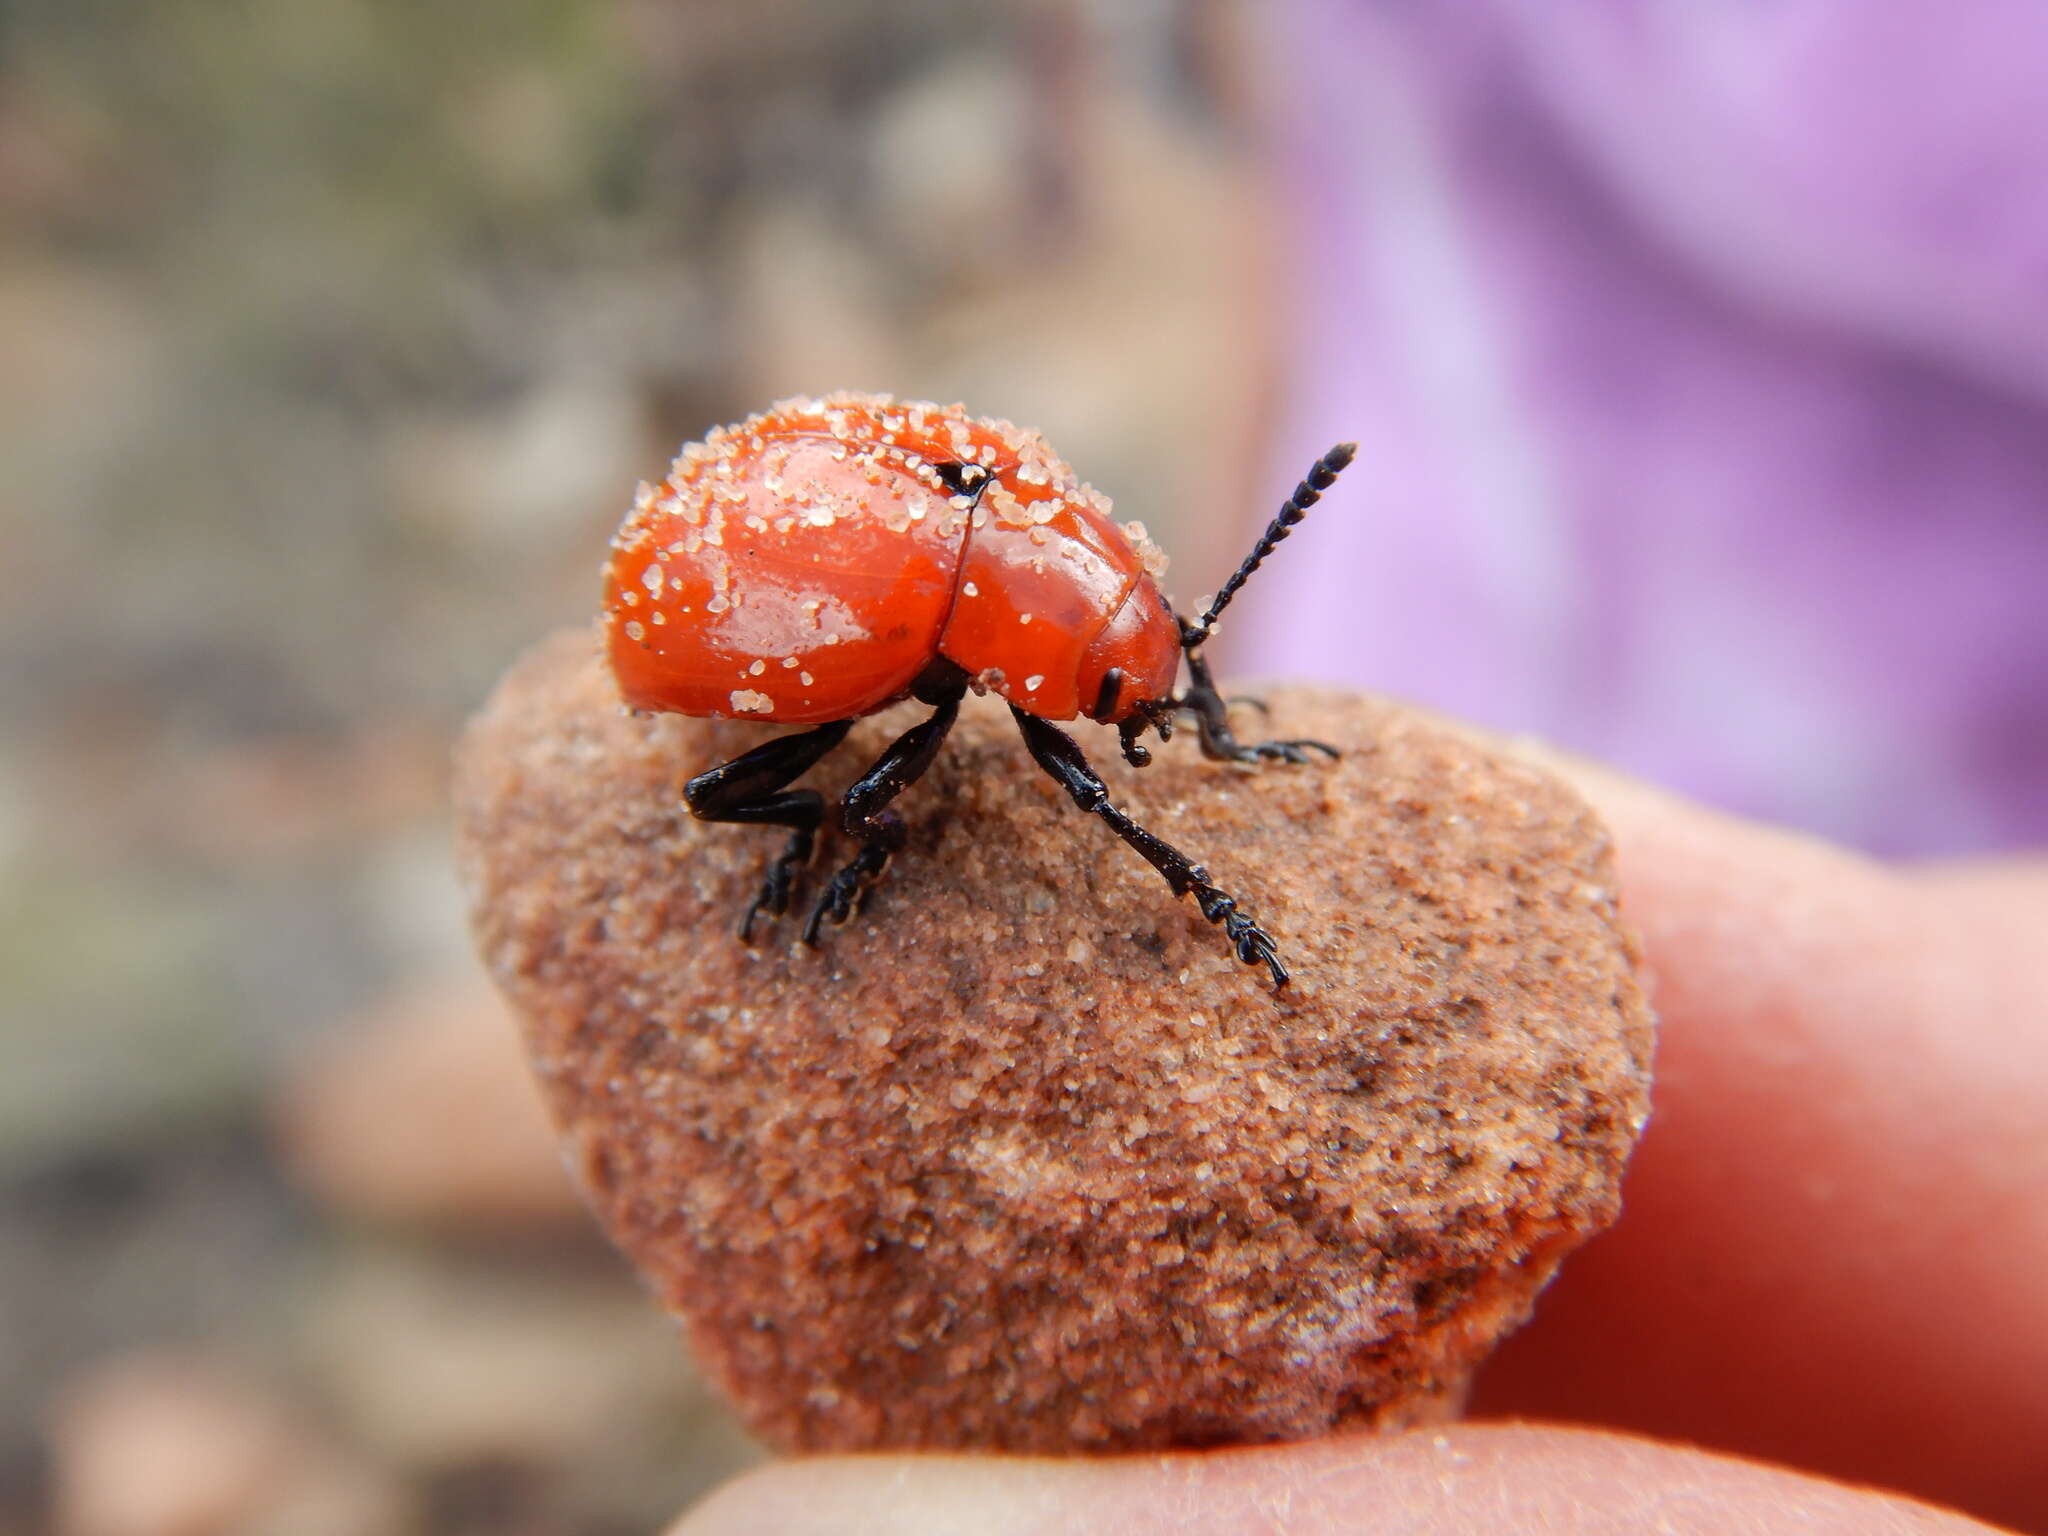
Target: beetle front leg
x,y
1212,718
749,789
1062,759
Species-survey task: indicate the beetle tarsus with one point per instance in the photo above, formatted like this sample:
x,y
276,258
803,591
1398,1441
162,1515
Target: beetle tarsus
x,y
750,789
1253,944
848,888
774,897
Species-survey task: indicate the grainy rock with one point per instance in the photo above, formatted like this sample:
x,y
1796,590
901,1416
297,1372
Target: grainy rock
x,y
1022,1158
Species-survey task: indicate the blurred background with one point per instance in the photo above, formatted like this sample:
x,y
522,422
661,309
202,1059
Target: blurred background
x,y
1698,357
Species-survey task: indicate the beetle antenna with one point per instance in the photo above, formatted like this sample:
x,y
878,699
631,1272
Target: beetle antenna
x,y
1307,494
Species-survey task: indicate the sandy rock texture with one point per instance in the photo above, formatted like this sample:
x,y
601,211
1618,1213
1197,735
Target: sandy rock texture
x,y
1022,1158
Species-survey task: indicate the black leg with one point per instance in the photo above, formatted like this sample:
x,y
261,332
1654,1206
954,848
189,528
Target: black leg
x,y
1212,718
750,789
864,814
1060,756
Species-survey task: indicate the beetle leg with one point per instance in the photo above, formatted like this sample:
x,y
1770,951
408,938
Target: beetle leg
x,y
864,814
1212,718
1061,757
750,789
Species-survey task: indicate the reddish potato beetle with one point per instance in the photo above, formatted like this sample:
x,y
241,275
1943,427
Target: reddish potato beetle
x,y
828,558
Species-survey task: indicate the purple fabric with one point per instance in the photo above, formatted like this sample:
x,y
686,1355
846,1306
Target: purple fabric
x,y
1698,359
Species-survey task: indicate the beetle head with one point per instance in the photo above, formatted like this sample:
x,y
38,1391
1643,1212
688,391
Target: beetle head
x,y
1131,666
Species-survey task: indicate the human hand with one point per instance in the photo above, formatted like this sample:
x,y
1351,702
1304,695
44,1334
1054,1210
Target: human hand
x,y
1832,1256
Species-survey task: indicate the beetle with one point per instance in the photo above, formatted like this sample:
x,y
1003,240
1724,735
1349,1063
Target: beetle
x,y
828,558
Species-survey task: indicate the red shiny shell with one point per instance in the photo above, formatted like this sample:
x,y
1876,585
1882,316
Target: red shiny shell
x,y
809,564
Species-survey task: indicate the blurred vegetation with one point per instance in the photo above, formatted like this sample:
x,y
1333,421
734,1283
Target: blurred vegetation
x,y
336,333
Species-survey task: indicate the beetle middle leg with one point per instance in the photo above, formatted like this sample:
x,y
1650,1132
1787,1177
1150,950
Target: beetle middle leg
x,y
750,789
1061,758
864,814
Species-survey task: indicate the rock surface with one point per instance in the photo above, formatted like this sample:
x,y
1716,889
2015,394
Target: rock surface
x,y
1022,1158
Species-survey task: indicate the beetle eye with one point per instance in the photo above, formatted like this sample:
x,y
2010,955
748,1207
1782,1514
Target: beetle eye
x,y
1106,696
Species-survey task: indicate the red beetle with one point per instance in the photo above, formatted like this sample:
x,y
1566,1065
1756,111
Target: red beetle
x,y
828,558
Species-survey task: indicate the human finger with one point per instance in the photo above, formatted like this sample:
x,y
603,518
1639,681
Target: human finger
x,y
1465,1479
1834,1235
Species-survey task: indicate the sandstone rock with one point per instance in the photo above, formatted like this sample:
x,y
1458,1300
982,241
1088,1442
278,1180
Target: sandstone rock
x,y
1022,1158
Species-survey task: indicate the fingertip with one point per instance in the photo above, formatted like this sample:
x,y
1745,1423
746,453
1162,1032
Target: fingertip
x,y
1465,1479
1846,1114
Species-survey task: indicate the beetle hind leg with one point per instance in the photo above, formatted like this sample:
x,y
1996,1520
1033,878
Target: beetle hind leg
x,y
864,814
750,790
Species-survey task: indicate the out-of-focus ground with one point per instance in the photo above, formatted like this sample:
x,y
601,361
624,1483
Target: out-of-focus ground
x,y
333,337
